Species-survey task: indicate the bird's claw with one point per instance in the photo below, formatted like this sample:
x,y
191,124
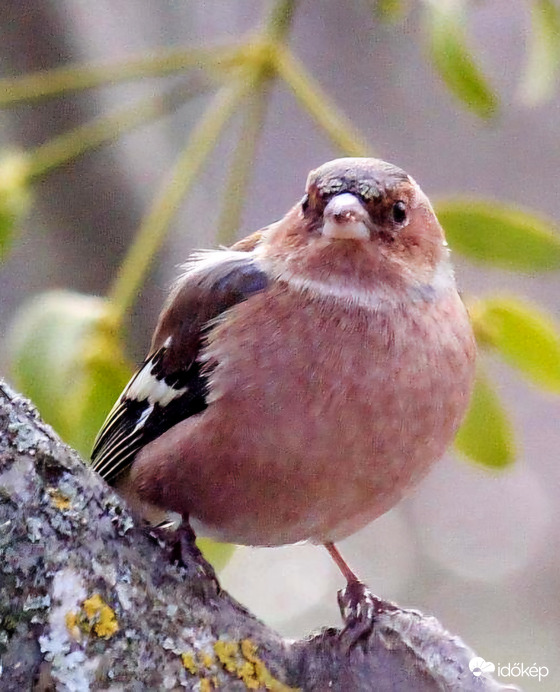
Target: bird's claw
x,y
358,607
183,550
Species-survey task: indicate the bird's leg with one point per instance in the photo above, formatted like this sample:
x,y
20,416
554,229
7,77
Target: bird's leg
x,y
341,563
358,606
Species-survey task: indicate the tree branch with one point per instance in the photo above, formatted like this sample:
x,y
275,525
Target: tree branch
x,y
88,601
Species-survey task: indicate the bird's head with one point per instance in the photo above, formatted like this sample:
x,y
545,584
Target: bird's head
x,y
361,217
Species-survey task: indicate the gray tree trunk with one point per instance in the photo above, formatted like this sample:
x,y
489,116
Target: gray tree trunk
x,y
88,601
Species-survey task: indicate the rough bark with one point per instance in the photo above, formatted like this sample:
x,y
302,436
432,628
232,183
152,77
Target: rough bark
x,y
89,601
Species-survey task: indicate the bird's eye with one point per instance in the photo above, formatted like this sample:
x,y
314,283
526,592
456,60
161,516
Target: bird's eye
x,y
399,212
305,203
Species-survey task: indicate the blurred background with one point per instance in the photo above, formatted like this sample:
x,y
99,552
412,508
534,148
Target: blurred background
x,y
479,549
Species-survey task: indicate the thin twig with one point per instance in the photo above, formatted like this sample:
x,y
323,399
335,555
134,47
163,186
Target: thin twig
x,y
155,224
275,31
280,20
235,190
256,59
54,82
73,143
315,101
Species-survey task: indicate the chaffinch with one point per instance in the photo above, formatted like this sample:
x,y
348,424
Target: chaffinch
x,y
302,381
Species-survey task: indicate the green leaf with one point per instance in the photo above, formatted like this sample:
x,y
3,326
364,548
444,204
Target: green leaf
x,y
501,235
524,336
453,61
15,196
543,60
486,435
217,554
66,360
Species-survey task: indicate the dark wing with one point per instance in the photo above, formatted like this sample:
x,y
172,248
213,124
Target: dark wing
x,y
171,386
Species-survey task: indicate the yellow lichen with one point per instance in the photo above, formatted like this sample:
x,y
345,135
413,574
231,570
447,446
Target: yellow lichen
x,y
59,500
239,659
71,620
249,651
227,653
200,666
246,673
206,659
242,660
189,663
99,617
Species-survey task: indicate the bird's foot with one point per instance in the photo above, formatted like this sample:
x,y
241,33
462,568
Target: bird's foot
x,y
183,550
359,608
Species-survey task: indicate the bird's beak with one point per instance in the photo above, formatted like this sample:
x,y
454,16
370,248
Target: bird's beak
x,y
346,218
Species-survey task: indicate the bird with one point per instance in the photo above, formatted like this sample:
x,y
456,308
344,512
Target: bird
x,y
302,381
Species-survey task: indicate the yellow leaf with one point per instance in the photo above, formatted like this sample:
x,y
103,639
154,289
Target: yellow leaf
x,y
15,196
217,554
523,335
486,435
543,62
65,358
500,235
453,61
